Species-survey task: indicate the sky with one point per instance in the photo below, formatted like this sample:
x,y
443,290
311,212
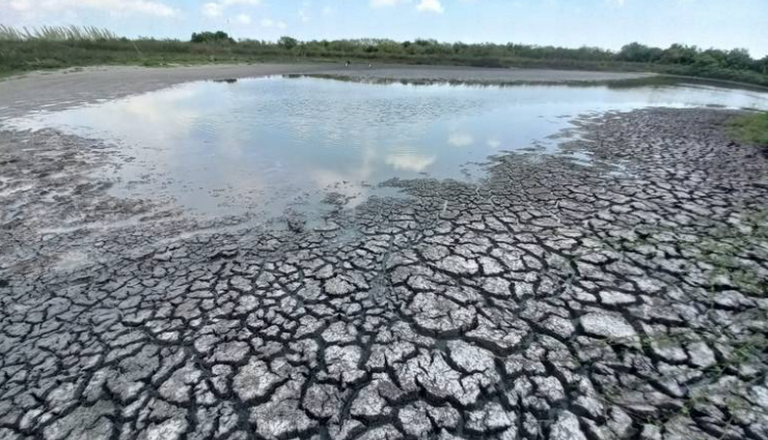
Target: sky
x,y
609,24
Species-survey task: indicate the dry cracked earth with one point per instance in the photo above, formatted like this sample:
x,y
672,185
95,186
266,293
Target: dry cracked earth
x,y
553,301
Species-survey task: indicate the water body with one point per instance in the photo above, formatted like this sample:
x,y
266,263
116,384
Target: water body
x,y
268,144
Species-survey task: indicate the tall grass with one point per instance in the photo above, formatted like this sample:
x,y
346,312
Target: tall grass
x,y
56,33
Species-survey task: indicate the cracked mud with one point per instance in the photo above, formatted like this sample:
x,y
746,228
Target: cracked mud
x,y
553,301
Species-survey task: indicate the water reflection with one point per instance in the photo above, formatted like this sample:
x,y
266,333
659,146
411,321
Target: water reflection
x,y
263,144
409,159
461,140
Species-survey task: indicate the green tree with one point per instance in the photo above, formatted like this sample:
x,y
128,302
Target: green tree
x,y
639,53
287,42
212,37
680,54
706,60
738,59
762,66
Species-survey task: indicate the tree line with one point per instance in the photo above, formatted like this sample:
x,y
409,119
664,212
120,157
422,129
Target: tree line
x,y
55,47
675,55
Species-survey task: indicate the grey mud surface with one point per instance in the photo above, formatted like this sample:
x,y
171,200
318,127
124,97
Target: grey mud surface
x,y
553,301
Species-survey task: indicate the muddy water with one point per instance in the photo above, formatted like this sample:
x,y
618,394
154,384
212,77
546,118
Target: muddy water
x,y
270,144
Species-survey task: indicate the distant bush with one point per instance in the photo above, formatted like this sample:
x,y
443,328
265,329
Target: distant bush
x,y
212,37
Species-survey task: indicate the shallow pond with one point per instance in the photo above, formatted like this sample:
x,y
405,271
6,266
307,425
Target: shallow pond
x,y
262,145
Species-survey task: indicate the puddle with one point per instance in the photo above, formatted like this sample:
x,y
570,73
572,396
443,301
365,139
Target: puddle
x,y
269,145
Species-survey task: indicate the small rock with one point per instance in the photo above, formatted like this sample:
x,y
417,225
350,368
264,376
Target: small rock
x,y
254,380
701,355
338,286
566,428
457,265
609,326
559,326
169,430
613,298
650,432
492,418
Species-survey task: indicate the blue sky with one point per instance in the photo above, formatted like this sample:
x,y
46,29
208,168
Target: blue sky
x,y
604,23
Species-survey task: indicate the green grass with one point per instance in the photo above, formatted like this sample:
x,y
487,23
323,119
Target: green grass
x,y
751,128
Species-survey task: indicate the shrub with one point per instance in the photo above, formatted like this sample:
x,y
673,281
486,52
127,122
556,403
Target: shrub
x,y
212,37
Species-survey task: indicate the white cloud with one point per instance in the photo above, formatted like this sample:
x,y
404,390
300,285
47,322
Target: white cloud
x,y
212,9
423,6
430,6
493,143
304,12
269,23
244,19
460,139
385,3
616,3
216,9
410,162
240,2
147,7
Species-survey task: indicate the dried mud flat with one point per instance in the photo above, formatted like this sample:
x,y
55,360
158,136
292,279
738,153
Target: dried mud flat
x,y
554,301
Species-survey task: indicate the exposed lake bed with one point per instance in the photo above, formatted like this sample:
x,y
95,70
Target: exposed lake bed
x,y
606,283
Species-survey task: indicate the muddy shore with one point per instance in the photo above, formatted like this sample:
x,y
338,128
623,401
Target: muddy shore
x,y
553,300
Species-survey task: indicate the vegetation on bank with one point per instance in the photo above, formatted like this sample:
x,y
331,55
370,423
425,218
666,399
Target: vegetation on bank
x,y
751,128
54,47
